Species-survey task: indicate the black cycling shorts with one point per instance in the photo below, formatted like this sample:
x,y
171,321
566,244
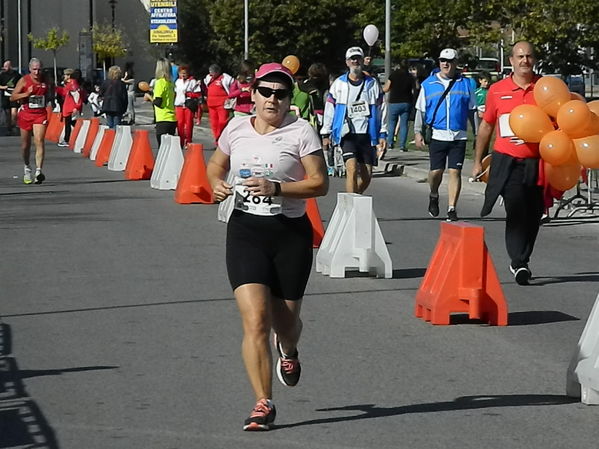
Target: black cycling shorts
x,y
273,251
358,146
452,151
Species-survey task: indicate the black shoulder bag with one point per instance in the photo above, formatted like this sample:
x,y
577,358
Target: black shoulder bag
x,y
427,128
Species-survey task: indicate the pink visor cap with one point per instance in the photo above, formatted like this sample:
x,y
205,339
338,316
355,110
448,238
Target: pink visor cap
x,y
274,67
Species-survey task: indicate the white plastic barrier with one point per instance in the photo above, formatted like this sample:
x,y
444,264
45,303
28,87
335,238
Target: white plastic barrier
x,y
80,140
583,373
169,163
97,142
353,239
119,153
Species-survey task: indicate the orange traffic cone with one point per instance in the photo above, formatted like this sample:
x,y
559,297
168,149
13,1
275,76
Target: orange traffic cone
x,y
314,216
461,278
193,185
141,159
94,126
105,147
75,133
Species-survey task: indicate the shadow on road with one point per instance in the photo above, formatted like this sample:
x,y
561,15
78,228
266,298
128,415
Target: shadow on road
x,y
527,318
22,422
371,411
579,277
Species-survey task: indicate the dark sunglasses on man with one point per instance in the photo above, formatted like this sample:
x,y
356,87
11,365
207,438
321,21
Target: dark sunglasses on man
x,y
267,92
451,61
355,58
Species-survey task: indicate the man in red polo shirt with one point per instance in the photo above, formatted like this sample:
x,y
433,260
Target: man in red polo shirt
x,y
515,167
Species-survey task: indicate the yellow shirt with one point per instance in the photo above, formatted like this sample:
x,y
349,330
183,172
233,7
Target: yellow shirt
x,y
165,89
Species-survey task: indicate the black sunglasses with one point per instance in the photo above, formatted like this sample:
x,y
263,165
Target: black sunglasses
x,y
267,92
355,58
446,60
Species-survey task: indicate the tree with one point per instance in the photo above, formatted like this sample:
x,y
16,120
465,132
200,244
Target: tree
x,y
53,41
108,42
312,30
197,46
562,31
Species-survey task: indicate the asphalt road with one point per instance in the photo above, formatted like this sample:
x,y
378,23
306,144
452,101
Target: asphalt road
x,y
119,330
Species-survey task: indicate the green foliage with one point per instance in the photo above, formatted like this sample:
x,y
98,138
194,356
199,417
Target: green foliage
x,y
53,40
320,30
108,42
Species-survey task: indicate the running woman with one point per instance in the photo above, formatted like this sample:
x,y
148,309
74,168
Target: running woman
x,y
278,162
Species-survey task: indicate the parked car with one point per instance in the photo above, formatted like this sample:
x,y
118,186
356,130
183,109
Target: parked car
x,y
576,84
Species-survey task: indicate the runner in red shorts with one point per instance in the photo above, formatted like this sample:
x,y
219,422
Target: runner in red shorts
x,y
32,93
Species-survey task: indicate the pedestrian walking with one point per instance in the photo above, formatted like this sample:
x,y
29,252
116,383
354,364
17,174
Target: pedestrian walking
x,y
163,99
188,94
278,162
514,172
129,80
442,107
217,86
240,92
8,80
73,96
114,97
401,87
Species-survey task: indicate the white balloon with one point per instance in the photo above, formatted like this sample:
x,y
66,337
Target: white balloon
x,y
371,34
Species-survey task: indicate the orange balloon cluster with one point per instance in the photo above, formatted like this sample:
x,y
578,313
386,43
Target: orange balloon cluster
x,y
574,143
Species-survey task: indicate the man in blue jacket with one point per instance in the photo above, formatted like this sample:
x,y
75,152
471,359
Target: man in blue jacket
x,y
448,117
355,118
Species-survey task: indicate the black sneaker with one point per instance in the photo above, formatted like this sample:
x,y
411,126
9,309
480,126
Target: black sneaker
x,y
433,206
452,215
262,416
522,275
39,177
288,367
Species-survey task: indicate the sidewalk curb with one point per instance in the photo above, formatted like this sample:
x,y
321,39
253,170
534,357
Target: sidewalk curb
x,y
414,164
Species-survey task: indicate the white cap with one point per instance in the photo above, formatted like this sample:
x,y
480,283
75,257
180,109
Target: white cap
x,y
354,51
448,53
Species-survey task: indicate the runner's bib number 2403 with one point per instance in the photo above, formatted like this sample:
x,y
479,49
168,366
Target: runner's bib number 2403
x,y
255,204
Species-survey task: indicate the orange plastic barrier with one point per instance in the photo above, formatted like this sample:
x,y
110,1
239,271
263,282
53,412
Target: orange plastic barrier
x,y
54,128
314,216
461,278
75,133
193,185
105,146
141,159
94,126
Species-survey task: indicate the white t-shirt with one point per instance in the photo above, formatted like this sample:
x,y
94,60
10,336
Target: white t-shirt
x,y
356,93
276,155
182,86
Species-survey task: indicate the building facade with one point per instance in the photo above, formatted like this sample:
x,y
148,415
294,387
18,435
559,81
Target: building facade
x,y
21,17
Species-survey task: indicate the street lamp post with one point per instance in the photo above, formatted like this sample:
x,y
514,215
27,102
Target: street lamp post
x,y
246,30
387,39
112,7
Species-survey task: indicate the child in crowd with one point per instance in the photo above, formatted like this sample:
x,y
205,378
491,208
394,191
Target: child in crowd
x,y
95,102
484,81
